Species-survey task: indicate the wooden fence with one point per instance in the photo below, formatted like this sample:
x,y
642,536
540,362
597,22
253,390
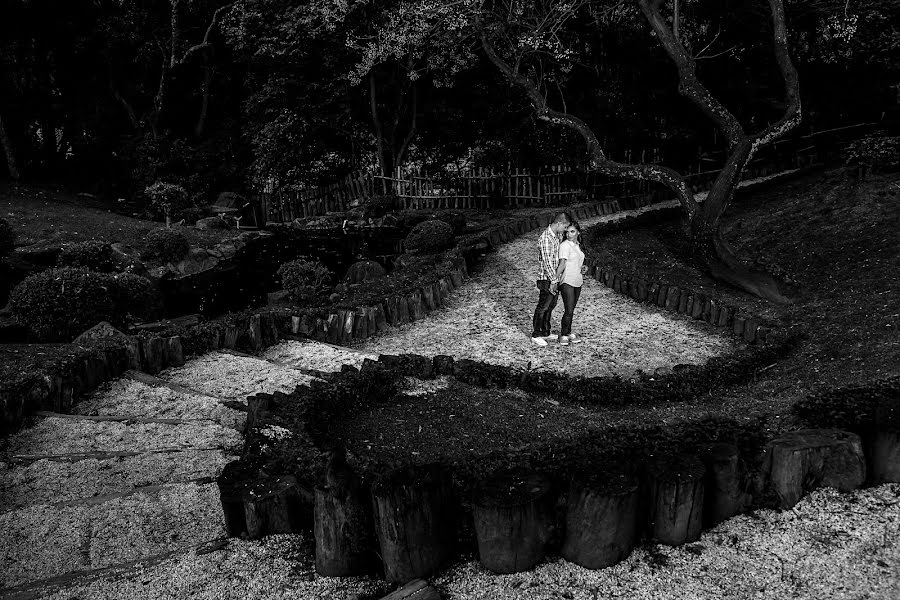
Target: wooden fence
x,y
516,187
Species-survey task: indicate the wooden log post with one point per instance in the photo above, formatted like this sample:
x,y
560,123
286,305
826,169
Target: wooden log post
x,y
601,519
152,355
414,521
380,320
801,461
513,521
231,487
174,353
884,447
725,495
273,505
675,486
254,333
342,526
230,338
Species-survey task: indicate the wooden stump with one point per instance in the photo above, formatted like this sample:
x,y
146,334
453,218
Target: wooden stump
x,y
231,336
801,461
152,355
724,493
601,519
414,521
513,520
381,323
427,294
231,487
884,444
273,505
417,589
333,327
342,526
174,353
254,333
676,499
416,305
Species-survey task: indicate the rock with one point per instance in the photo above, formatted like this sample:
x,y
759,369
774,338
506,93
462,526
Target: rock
x,y
101,331
279,297
211,223
196,261
364,270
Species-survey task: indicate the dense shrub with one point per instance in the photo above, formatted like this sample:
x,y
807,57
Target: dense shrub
x,y
7,238
167,245
94,255
304,278
136,298
456,220
429,237
168,198
59,304
378,206
881,153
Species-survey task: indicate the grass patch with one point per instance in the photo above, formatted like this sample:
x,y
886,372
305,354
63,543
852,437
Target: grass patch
x,y
836,240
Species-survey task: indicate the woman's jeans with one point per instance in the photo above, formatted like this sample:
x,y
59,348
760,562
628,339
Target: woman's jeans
x,y
570,296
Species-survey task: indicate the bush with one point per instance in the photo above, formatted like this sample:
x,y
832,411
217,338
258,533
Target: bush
x,y
168,198
304,278
93,255
429,237
167,245
881,153
378,206
137,298
7,238
456,220
60,304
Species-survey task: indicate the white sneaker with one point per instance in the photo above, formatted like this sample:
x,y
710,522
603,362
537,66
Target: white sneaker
x,y
575,339
563,340
539,341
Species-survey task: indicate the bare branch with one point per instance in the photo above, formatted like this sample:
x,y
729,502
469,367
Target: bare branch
x,y
206,43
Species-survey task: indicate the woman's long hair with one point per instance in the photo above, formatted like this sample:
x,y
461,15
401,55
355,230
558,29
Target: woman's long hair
x,y
574,223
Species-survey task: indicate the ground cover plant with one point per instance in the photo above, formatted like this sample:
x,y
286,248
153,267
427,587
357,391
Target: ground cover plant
x,y
833,238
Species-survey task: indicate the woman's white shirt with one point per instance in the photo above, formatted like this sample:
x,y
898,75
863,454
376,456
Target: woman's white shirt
x,y
574,260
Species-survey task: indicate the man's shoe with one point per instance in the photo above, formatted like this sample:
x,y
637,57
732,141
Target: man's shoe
x,y
575,339
563,340
539,341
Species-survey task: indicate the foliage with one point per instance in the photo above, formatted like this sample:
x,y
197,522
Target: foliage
x,y
456,220
878,152
167,245
7,237
59,304
429,237
93,255
304,278
167,198
378,206
854,408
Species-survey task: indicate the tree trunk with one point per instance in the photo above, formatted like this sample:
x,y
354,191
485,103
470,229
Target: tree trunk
x,y
414,522
9,151
208,73
513,518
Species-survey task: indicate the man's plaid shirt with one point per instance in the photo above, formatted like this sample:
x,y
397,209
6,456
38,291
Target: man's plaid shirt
x,y
548,246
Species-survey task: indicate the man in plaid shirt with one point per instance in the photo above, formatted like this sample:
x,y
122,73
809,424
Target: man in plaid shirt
x,y
547,281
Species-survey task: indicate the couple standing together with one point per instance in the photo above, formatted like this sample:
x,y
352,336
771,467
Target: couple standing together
x,y
561,269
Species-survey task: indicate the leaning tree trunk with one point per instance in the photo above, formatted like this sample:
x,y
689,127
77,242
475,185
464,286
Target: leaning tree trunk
x,y
9,151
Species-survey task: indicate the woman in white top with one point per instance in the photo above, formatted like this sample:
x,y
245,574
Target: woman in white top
x,y
569,273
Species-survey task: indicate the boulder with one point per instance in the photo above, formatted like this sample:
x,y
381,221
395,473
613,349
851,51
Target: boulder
x,y
362,271
196,261
211,223
104,331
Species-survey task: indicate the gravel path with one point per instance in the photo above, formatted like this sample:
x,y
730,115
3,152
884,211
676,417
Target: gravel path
x,y
831,545
489,318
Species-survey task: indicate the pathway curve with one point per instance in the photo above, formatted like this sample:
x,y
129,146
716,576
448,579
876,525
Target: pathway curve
x,y
489,319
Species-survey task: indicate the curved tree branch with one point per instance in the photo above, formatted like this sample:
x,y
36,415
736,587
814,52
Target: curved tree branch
x,y
689,85
793,113
598,161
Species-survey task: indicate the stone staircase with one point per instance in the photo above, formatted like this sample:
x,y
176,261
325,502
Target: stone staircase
x,y
129,477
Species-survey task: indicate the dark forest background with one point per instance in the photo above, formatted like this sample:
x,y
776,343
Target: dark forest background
x,y
109,96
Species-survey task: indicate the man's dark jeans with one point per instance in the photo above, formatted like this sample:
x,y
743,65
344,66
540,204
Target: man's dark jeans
x,y
546,304
570,296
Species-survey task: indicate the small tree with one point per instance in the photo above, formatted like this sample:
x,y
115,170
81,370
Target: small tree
x,y
167,197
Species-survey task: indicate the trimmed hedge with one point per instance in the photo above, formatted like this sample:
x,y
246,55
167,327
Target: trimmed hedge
x,y
60,304
429,237
7,238
304,278
93,254
167,245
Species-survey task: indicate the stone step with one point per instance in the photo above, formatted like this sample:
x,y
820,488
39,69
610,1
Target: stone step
x,y
52,481
313,355
54,435
151,397
44,541
234,377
